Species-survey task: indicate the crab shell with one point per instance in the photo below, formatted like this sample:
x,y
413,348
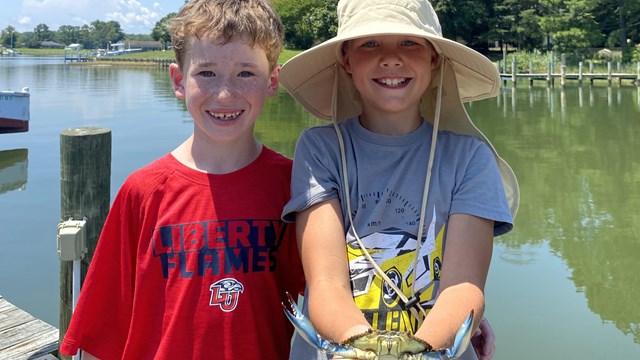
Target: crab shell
x,y
389,344
383,345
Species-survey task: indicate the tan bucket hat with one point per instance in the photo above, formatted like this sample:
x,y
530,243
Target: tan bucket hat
x,y
315,77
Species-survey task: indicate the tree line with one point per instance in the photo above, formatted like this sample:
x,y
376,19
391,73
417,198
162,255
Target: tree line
x,y
574,27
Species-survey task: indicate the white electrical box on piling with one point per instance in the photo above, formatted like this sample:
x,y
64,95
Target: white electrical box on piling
x,y
72,240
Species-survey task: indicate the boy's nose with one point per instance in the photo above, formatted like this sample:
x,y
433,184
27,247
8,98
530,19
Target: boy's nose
x,y
224,89
390,59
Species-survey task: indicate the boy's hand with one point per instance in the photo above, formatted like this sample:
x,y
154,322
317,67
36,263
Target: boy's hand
x,y
484,341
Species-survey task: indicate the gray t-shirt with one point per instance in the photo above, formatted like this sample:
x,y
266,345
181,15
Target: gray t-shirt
x,y
386,183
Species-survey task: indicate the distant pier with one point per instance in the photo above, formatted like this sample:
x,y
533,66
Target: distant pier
x,y
74,52
23,336
580,76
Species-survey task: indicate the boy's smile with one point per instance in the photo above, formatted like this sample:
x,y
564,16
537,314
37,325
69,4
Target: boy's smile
x,y
224,86
391,73
397,82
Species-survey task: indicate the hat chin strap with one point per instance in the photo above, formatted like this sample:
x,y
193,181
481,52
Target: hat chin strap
x,y
412,304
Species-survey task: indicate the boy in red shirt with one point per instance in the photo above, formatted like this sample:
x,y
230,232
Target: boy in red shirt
x,y
194,260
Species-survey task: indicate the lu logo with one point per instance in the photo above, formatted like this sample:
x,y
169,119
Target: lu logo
x,y
225,293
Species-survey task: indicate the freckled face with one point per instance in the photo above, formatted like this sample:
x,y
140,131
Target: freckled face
x,y
224,86
391,72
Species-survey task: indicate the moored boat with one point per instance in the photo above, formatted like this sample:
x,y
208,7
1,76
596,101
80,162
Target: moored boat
x,y
14,111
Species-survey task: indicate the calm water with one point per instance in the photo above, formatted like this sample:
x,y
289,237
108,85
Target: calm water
x,y
563,285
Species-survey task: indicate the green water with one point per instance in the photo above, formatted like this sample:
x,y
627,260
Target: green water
x,y
564,284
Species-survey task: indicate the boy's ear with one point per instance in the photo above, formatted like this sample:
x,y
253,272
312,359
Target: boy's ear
x,y
346,63
177,80
274,81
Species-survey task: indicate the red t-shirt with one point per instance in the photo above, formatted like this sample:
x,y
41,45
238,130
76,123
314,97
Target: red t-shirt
x,y
192,265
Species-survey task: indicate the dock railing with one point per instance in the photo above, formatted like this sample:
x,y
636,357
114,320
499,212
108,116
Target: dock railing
x,y
609,71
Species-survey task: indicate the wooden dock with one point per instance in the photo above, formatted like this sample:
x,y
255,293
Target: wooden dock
x,y
581,76
22,336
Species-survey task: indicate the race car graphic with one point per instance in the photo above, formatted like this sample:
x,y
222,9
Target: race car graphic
x,y
394,251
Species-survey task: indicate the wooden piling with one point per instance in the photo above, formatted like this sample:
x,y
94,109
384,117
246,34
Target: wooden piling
x,y
580,69
85,183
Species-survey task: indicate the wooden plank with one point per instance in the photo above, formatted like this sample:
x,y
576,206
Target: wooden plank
x,y
22,336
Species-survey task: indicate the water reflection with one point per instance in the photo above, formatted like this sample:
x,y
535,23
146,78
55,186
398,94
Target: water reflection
x,y
576,156
13,170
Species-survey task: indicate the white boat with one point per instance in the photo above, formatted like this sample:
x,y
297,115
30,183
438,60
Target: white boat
x,y
13,170
14,111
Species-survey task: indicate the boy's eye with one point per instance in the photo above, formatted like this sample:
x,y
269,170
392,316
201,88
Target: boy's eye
x,y
207,73
409,43
245,74
370,43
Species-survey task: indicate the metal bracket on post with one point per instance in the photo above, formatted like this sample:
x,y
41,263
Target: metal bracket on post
x,y
72,240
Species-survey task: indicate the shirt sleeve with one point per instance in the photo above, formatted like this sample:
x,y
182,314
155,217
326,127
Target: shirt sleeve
x,y
479,190
315,176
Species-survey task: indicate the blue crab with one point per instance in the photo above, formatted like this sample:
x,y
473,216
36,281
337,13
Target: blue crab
x,y
382,345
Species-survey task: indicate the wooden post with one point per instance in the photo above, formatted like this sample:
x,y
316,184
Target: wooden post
x,y
504,58
552,68
513,70
609,71
549,73
85,184
530,73
580,73
563,75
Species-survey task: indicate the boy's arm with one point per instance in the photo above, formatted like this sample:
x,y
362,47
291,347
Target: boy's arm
x,y
465,267
321,241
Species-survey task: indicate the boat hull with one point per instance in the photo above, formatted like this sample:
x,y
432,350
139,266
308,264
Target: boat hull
x,y
14,111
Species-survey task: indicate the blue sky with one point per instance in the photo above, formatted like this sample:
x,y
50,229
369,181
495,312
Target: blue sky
x,y
134,16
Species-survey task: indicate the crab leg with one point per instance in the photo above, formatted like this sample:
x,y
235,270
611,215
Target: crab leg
x,y
305,328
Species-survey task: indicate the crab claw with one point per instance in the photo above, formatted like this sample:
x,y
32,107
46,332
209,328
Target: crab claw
x,y
460,344
305,328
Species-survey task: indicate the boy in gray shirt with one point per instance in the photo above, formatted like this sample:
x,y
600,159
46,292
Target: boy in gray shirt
x,y
401,162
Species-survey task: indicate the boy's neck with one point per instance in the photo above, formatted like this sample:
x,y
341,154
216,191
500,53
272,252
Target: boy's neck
x,y
391,124
214,158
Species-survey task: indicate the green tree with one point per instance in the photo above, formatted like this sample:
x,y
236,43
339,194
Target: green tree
x,y
8,36
105,33
519,21
324,21
67,34
160,32
570,24
619,23
465,20
85,37
42,33
299,28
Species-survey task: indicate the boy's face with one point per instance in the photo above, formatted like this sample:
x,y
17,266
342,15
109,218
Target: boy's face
x,y
224,86
391,72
